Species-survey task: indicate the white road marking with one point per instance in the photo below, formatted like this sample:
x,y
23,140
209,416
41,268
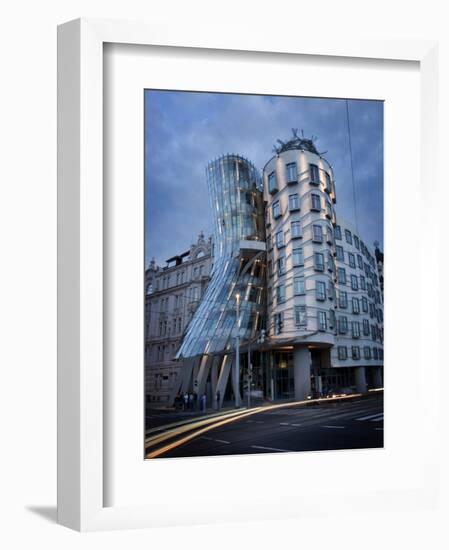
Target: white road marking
x,y
369,417
270,448
338,427
284,424
296,425
222,441
380,419
380,429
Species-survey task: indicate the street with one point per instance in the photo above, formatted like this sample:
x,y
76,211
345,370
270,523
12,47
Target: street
x,y
341,424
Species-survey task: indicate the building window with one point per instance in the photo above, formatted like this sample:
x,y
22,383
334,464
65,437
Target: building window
x,y
272,185
298,285
338,232
343,299
355,325
293,202
355,352
330,262
331,319
292,174
329,212
354,282
329,236
269,242
342,324
367,352
295,229
364,304
342,353
356,242
331,290
340,253
317,234
300,316
298,258
355,305
280,239
318,259
280,294
381,353
278,323
365,327
360,261
316,202
375,353
320,290
314,174
348,236
351,260
362,282
322,320
328,182
281,265
341,275
276,210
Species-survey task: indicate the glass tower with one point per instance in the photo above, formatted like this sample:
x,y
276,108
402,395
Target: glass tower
x,y
238,273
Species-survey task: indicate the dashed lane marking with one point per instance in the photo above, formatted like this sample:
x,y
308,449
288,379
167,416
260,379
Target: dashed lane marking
x,y
370,416
270,449
222,441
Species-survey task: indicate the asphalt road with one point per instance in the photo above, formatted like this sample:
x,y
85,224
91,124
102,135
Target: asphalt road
x,y
352,424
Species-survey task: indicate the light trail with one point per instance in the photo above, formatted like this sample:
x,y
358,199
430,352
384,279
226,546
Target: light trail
x,y
231,417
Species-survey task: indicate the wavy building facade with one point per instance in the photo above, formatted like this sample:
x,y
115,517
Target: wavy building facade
x,y
233,305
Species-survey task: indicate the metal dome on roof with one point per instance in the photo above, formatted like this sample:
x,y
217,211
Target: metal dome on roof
x,y
296,142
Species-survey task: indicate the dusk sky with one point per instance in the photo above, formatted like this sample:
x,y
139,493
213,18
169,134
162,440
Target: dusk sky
x,y
185,130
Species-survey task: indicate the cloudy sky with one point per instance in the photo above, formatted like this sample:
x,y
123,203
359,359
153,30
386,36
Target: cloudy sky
x,y
185,130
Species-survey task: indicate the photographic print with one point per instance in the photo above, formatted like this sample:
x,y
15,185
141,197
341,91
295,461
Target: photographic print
x,y
263,274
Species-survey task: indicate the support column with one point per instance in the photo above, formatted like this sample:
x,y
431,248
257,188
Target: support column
x,y
378,377
302,363
360,380
214,379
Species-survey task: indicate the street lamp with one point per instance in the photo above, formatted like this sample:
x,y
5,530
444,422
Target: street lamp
x,y
237,355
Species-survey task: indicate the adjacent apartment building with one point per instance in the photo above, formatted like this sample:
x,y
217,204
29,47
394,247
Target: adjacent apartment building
x,y
172,294
293,287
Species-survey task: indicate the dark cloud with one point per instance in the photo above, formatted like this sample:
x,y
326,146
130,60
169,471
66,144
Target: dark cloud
x,y
185,130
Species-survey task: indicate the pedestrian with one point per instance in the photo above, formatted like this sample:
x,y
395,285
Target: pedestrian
x,y
203,402
190,401
186,400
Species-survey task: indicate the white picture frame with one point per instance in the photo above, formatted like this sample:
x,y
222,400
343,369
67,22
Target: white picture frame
x,y
81,404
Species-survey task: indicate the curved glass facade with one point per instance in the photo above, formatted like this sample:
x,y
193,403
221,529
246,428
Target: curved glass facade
x,y
235,192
